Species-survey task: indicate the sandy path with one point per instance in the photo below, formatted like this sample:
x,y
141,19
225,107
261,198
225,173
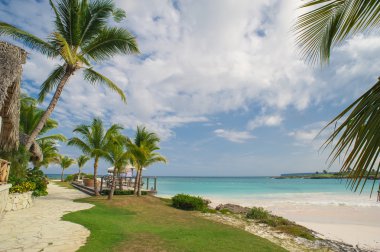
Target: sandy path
x,y
40,227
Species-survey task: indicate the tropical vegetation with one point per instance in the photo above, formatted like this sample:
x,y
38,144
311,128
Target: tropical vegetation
x,y
65,162
143,153
326,24
81,161
81,35
94,141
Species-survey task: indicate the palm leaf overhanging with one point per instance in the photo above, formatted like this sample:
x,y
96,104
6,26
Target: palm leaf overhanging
x,y
328,24
82,35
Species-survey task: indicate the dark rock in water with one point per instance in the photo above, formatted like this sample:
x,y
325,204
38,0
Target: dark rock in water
x,y
236,209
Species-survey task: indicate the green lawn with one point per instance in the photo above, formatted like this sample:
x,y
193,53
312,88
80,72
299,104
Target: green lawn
x,y
147,223
63,184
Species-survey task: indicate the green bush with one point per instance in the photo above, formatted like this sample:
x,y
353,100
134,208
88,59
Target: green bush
x,y
38,177
73,177
23,187
188,202
257,213
122,192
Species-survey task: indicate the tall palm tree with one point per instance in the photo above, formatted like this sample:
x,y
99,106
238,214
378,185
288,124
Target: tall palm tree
x,y
118,156
65,162
81,34
81,161
142,152
329,23
94,142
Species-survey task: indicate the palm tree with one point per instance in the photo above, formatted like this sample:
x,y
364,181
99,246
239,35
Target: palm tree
x,y
50,154
65,162
29,117
81,34
142,153
94,142
329,23
118,156
81,161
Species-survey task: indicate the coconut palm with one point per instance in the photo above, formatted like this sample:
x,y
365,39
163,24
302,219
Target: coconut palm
x,y
65,162
94,141
81,161
142,153
81,34
118,156
329,23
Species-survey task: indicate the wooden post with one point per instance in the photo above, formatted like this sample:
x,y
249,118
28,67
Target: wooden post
x,y
101,184
147,183
155,184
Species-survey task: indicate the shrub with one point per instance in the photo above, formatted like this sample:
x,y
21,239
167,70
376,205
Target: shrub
x,y
38,177
257,213
23,187
225,211
89,176
122,192
188,202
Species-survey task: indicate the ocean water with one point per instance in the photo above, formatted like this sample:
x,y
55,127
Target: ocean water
x,y
265,190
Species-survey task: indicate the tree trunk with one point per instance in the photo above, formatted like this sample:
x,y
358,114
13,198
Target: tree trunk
x,y
136,182
139,188
78,178
113,185
50,108
62,176
95,176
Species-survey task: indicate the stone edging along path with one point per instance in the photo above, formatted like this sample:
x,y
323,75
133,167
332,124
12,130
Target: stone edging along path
x,y
40,227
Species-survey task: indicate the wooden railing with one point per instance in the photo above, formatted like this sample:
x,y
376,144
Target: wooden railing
x,y
4,171
128,182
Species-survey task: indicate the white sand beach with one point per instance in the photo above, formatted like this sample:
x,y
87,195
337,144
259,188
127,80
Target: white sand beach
x,y
348,218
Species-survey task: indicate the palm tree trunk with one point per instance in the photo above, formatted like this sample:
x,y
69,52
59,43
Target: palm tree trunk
x,y
78,178
95,176
62,176
50,108
136,181
139,188
113,185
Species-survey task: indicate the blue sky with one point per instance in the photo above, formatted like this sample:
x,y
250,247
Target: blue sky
x,y
220,82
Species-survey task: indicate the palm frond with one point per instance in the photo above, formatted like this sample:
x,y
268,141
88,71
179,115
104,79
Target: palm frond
x,y
96,78
82,160
358,138
51,82
109,42
27,39
54,137
77,142
332,21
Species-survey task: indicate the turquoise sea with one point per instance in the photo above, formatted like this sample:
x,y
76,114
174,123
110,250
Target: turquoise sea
x,y
240,189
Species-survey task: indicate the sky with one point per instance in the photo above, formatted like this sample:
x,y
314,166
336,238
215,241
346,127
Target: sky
x,y
219,81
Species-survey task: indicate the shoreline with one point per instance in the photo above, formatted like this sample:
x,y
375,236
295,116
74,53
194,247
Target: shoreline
x,y
350,219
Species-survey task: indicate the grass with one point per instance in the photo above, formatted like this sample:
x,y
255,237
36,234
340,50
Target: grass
x,y
128,223
279,223
63,184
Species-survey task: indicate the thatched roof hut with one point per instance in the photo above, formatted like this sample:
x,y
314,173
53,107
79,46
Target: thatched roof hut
x,y
11,60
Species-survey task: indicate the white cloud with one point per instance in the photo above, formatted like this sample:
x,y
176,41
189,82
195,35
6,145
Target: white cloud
x,y
196,63
234,136
311,135
265,120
